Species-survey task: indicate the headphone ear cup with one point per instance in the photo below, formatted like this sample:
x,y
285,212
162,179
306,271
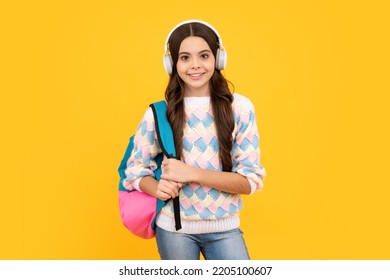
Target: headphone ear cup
x,y
221,59
168,63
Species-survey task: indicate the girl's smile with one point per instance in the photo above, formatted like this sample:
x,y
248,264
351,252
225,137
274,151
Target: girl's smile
x,y
196,76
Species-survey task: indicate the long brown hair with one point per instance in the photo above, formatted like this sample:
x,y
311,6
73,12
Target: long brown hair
x,y
221,97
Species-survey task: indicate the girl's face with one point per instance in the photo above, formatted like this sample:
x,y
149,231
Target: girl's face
x,y
195,66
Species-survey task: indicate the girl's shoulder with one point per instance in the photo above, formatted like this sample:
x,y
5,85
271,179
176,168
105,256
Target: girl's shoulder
x,y
242,104
148,116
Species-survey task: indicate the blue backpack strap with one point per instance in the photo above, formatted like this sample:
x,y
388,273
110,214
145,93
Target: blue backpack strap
x,y
163,129
167,144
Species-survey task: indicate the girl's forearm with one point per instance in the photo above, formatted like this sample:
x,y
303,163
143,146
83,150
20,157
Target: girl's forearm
x,y
224,181
230,182
148,185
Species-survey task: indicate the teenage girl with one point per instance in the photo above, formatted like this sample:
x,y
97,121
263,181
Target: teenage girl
x,y
217,141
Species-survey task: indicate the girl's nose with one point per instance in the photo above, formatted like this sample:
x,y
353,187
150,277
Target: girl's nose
x,y
195,64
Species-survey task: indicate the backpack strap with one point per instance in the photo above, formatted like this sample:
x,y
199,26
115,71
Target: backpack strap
x,y
163,129
167,144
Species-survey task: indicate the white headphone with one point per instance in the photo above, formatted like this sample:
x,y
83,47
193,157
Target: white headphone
x,y
220,59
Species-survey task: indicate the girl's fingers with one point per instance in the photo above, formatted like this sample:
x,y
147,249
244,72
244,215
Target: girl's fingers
x,y
168,188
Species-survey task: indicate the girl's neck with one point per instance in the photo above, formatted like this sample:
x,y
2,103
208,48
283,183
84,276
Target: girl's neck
x,y
199,92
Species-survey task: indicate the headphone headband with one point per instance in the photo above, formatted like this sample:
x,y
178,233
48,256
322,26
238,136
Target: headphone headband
x,y
191,21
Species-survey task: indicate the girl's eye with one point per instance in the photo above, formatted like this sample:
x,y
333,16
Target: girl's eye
x,y
184,57
204,56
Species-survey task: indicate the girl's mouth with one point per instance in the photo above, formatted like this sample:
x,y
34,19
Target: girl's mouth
x,y
196,76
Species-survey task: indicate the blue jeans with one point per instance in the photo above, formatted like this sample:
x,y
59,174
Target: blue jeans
x,y
228,245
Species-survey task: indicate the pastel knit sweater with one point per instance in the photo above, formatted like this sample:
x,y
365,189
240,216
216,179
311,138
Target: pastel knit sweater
x,y
203,209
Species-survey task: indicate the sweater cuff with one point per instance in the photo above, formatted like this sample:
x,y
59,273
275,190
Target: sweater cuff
x,y
135,184
253,185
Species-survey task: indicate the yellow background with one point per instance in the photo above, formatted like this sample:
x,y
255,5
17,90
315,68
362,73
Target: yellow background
x,y
76,77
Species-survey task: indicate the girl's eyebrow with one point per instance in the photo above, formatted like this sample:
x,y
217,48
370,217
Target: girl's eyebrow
x,y
205,50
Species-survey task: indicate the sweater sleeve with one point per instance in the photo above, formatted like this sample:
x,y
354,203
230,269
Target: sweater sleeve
x,y
246,150
142,159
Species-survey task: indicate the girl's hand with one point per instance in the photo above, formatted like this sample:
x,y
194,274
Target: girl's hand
x,y
176,170
167,189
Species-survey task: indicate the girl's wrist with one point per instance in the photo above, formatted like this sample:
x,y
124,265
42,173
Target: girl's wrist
x,y
194,174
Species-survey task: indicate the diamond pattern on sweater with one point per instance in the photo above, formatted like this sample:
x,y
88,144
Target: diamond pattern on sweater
x,y
201,145
187,145
200,193
208,120
187,190
189,211
220,212
205,214
214,194
193,121
214,144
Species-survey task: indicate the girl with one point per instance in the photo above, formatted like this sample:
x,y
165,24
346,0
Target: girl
x,y
216,139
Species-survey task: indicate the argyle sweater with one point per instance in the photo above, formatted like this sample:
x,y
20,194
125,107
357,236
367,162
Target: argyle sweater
x,y
203,209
